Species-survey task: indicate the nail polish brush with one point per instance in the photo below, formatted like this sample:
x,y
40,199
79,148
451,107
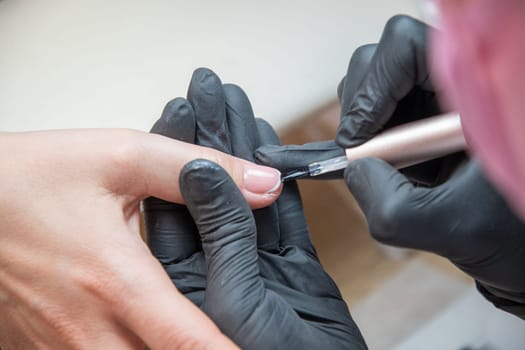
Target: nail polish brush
x,y
401,146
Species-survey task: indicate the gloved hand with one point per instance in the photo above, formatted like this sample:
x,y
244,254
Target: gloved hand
x,y
386,84
464,220
255,274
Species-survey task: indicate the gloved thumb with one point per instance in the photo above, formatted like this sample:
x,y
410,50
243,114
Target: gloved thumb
x,y
228,234
396,210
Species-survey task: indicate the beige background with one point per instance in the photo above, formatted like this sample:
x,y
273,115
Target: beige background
x,y
100,63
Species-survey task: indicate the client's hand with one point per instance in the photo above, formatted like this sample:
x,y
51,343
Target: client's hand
x,y
256,274
74,272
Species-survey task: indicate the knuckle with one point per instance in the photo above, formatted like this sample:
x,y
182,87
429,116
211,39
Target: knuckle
x,y
125,151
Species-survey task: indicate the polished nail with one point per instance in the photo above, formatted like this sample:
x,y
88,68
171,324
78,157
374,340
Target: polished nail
x,y
261,179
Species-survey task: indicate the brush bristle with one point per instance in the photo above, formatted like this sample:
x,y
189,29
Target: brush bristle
x,y
295,174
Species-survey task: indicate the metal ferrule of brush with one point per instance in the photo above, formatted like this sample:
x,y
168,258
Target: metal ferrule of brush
x,y
328,166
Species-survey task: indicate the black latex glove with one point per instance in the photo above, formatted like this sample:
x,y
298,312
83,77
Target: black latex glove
x,y
255,274
386,84
464,220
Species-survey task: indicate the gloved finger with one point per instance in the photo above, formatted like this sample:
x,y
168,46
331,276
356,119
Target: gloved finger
x,y
206,95
244,140
244,137
177,121
397,212
171,233
227,230
292,222
189,276
393,72
292,157
355,73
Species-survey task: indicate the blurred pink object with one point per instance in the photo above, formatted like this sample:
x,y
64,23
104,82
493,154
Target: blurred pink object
x,y
479,58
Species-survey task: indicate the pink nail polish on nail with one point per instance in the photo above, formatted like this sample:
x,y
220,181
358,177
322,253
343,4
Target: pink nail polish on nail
x,y
261,179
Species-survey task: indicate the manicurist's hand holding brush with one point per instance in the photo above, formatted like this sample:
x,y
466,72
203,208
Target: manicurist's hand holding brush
x,y
447,205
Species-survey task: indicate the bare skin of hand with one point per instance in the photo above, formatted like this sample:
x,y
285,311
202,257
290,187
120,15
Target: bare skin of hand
x,y
74,272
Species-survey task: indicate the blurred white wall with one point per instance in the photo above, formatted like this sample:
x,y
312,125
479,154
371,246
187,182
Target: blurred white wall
x,y
99,63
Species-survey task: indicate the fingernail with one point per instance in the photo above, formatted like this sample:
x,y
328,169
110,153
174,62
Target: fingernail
x,y
261,179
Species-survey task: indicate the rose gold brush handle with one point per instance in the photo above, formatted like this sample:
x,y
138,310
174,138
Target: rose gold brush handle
x,y
415,142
